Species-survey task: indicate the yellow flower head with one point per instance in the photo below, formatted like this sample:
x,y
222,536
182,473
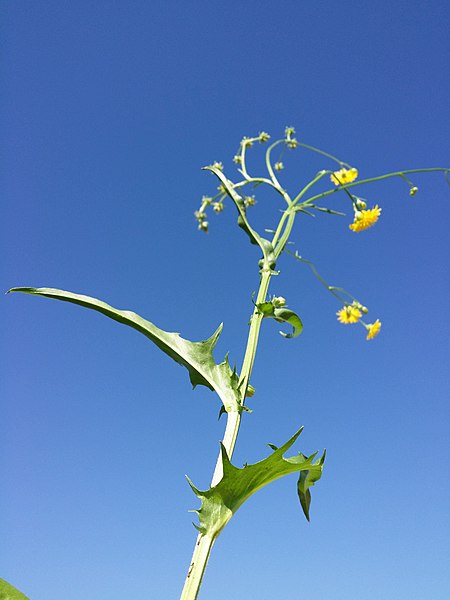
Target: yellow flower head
x,y
344,176
365,218
373,329
348,314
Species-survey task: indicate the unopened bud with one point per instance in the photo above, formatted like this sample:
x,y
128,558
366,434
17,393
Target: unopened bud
x,y
279,166
199,215
360,204
278,301
413,191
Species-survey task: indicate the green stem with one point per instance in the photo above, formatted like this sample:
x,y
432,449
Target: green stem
x,y
323,153
280,239
269,164
379,178
200,557
279,246
331,288
317,178
205,543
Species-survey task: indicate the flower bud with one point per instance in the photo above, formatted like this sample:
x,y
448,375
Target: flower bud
x,y
199,215
278,301
413,191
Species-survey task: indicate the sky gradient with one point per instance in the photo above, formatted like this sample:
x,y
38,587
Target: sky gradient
x,y
108,111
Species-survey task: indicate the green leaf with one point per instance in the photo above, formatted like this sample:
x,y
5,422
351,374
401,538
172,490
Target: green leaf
x,y
282,315
306,480
195,356
268,262
9,592
220,502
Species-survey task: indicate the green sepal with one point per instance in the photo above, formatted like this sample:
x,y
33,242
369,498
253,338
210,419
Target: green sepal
x,y
195,356
306,480
219,503
9,592
282,315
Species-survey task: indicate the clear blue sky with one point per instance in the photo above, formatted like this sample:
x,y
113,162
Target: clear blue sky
x,y
108,111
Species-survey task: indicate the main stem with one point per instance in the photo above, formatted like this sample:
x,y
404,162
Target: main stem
x,y
204,543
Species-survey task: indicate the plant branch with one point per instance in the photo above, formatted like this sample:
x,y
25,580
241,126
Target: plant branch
x,y
370,180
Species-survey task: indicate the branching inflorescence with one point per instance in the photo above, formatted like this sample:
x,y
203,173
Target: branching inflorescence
x,y
345,177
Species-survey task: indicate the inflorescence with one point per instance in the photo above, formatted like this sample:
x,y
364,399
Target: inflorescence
x,y
343,178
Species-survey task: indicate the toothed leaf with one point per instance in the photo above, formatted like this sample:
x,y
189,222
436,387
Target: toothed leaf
x,y
195,356
220,502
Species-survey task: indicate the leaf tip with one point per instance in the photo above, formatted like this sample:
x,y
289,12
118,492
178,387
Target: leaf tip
x,y
196,491
212,341
25,290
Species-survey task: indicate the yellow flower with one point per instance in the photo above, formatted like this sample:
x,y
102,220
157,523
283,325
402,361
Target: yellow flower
x,y
344,176
373,329
365,218
348,314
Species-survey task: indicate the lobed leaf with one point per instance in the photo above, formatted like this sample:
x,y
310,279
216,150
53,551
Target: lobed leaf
x,y
220,502
195,356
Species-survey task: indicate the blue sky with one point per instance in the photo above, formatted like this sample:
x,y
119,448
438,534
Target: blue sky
x,y
108,111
